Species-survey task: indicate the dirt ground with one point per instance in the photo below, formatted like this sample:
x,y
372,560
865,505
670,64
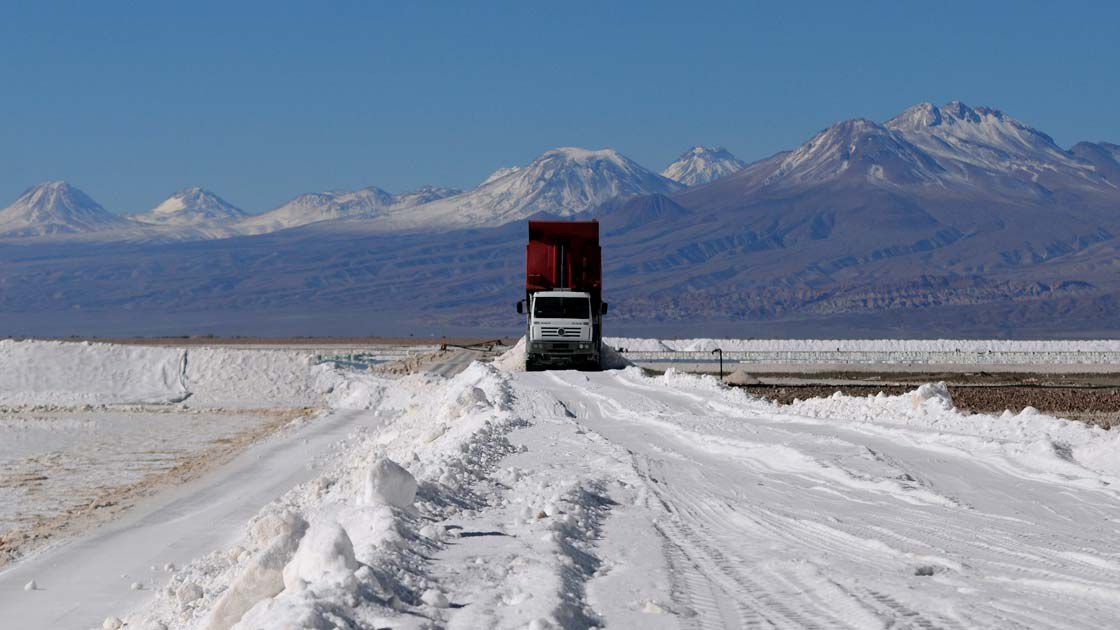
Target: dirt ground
x,y
1091,398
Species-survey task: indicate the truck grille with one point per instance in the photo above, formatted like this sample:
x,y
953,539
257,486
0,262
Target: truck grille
x,y
562,333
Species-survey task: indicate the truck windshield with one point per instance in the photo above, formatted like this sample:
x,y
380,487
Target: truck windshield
x,y
562,308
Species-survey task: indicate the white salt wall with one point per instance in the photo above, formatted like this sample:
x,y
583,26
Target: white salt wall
x,y
62,373
635,344
875,351
65,373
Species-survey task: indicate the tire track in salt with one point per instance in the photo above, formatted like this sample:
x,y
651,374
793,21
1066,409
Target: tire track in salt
x,y
696,543
715,534
699,532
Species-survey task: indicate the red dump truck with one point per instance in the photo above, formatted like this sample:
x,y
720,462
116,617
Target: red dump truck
x,y
563,295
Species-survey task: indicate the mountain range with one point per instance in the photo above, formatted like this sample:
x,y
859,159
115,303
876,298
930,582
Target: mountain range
x,y
562,182
942,221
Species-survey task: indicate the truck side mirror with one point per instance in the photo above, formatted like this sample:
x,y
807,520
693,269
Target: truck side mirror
x,y
521,307
603,311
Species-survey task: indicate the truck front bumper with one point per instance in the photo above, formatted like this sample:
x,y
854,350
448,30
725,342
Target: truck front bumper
x,y
562,353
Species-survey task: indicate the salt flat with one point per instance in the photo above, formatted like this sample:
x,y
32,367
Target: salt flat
x,y
498,498
62,470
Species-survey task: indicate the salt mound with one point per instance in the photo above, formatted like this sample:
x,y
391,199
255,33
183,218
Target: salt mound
x,y
612,359
275,525
263,576
512,360
387,483
932,391
325,554
740,377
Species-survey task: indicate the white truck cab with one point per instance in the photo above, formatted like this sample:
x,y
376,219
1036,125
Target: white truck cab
x,y
561,330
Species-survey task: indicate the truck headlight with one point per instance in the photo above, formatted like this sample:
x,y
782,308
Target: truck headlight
x,y
584,346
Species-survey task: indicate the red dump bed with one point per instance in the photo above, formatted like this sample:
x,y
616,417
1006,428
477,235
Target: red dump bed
x,y
564,255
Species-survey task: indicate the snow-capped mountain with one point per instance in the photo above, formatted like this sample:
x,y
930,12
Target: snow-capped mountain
x,y
967,141
950,150
366,203
563,182
315,207
193,207
854,149
56,207
500,173
422,195
700,165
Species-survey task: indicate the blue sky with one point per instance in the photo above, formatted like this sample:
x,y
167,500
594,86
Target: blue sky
x,y
262,101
